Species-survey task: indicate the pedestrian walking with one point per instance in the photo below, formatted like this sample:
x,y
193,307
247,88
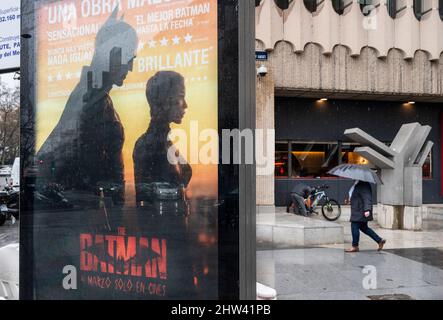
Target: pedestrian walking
x,y
360,196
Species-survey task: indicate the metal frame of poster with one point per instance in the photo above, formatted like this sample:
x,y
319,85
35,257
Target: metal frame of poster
x,y
104,215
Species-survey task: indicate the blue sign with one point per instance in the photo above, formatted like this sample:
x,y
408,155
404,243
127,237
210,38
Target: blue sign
x,y
261,55
10,34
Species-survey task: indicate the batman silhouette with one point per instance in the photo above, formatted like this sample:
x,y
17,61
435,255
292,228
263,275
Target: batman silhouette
x,y
85,147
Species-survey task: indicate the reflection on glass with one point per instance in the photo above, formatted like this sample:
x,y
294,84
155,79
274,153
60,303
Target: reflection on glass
x,y
427,167
147,233
313,160
350,157
281,159
281,164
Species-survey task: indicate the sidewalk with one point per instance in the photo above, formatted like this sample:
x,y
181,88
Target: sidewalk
x,y
411,267
9,261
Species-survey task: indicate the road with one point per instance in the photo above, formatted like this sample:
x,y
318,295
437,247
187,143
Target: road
x,y
9,233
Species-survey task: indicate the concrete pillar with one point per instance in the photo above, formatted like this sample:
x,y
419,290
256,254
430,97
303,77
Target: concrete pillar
x,y
265,120
401,217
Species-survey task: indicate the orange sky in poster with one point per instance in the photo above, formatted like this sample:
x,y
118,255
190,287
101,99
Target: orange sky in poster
x,y
179,35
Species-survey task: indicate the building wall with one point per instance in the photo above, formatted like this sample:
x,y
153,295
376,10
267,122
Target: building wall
x,y
265,120
297,26
348,56
309,120
362,76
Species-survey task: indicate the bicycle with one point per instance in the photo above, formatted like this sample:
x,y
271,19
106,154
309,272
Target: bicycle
x,y
331,209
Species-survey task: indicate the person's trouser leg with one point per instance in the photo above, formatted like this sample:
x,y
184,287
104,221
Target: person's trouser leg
x,y
355,230
300,202
288,203
368,231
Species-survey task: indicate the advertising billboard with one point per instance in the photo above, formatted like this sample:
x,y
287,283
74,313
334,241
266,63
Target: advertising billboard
x,y
9,35
121,190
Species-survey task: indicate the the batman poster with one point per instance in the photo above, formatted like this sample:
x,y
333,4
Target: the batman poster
x,y
124,205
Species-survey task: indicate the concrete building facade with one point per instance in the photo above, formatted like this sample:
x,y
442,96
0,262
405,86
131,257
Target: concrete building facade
x,y
376,64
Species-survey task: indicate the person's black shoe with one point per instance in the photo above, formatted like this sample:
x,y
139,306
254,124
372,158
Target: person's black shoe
x,y
287,209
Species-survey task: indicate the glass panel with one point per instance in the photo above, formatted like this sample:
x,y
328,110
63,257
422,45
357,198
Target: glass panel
x,y
366,6
105,195
340,5
283,4
392,8
427,167
281,164
311,5
349,156
421,7
282,146
313,160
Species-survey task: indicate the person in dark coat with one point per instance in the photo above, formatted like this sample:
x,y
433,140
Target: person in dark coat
x,y
360,196
297,197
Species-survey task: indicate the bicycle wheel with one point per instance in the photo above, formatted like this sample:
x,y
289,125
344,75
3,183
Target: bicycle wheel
x,y
331,210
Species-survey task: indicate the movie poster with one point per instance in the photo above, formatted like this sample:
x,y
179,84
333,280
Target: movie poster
x,y
125,199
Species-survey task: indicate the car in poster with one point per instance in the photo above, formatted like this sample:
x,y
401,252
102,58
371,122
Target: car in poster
x,y
160,191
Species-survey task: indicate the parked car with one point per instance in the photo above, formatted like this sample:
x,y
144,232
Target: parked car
x,y
51,197
9,205
111,189
166,191
158,191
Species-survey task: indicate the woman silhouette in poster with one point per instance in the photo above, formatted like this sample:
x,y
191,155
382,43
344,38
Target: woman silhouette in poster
x,y
165,93
154,170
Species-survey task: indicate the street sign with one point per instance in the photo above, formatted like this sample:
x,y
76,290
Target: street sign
x,y
261,55
10,35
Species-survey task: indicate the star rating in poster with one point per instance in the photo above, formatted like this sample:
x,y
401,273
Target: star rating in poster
x,y
164,42
64,76
188,38
197,79
176,40
152,43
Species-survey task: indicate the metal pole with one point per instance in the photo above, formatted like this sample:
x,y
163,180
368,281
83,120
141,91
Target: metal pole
x,y
247,241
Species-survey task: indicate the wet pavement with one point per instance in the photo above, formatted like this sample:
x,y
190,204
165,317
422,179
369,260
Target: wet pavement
x,y
9,233
410,267
331,274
